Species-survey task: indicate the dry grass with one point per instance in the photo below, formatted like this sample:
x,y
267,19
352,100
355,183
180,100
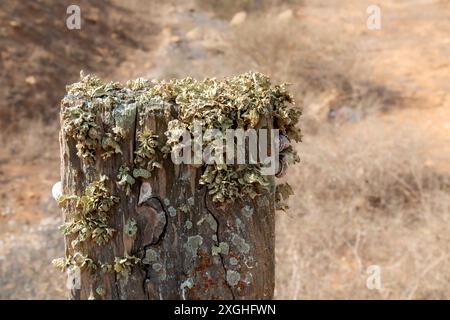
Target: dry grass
x,y
364,196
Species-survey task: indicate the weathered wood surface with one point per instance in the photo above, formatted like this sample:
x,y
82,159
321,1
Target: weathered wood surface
x,y
211,251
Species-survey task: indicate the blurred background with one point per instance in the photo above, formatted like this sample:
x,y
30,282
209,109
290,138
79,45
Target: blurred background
x,y
373,187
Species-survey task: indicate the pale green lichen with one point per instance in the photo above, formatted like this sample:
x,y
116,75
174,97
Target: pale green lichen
x,y
80,108
233,261
210,220
145,160
188,283
157,267
233,277
123,266
241,245
188,224
224,247
90,218
125,180
232,103
77,260
192,244
130,228
215,251
97,116
141,173
161,216
106,267
184,208
150,256
172,211
247,211
100,291
240,225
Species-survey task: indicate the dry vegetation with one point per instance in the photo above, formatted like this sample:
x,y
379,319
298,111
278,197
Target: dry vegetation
x,y
365,197
373,187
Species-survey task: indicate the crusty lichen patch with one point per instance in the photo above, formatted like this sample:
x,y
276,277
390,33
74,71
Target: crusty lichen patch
x,y
241,245
192,244
145,160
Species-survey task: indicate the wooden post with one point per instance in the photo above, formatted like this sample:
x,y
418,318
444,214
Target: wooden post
x,y
134,236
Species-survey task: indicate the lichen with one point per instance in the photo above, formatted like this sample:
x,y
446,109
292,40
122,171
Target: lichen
x,y
232,103
233,261
130,228
210,220
192,244
188,224
188,283
247,211
282,194
150,256
123,266
184,208
77,260
172,211
90,218
224,247
100,291
145,160
80,108
125,180
233,277
157,267
241,245
215,251
106,267
97,116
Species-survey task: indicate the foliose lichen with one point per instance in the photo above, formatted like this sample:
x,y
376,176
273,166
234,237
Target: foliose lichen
x,y
89,220
145,159
130,228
